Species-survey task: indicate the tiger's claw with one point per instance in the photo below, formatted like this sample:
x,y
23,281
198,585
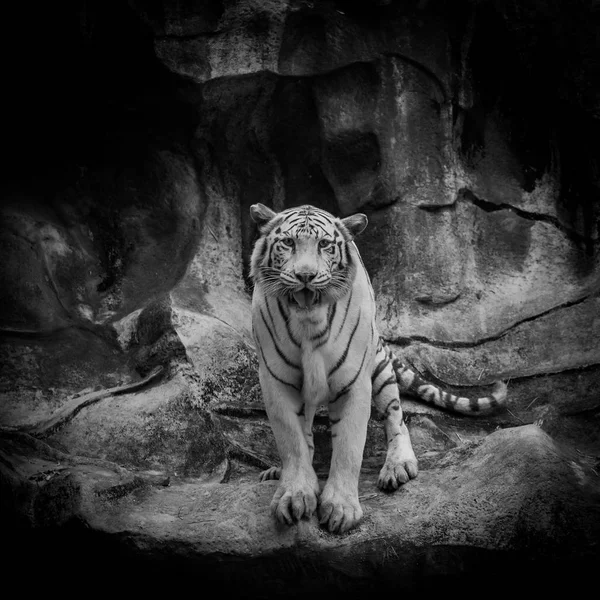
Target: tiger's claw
x,y
294,501
270,474
339,511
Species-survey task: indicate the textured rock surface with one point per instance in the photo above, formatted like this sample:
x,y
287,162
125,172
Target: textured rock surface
x,y
378,109
467,132
474,512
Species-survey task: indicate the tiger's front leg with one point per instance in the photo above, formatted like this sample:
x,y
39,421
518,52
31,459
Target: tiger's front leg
x,y
339,507
297,492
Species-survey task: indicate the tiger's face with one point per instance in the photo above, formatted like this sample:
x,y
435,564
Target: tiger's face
x,y
303,255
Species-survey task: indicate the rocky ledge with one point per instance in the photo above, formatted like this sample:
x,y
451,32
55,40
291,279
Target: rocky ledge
x,y
511,505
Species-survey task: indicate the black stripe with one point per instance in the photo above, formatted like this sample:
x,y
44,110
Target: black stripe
x,y
287,325
446,399
345,315
389,381
347,387
292,226
270,315
283,357
273,374
380,367
270,261
322,214
320,333
342,358
347,257
387,408
417,382
313,212
322,343
474,404
330,317
325,231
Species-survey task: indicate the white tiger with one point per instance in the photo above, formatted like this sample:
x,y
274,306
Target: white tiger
x,y
313,317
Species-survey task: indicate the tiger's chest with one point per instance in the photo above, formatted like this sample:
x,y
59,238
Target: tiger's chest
x,y
316,358
317,352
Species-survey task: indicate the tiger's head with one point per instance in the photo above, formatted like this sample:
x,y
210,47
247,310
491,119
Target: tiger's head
x,y
303,254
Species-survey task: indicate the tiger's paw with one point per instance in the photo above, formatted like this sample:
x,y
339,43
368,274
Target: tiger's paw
x,y
270,474
295,499
339,510
395,473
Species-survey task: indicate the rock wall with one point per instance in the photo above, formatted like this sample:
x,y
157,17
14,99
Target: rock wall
x,y
483,244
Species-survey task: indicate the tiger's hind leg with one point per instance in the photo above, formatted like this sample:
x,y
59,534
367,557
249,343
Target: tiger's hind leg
x,y
400,463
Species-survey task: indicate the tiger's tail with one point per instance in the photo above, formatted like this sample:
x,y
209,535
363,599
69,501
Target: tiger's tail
x,y
412,383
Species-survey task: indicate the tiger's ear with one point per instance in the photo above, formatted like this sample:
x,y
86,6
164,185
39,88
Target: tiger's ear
x,y
355,224
261,214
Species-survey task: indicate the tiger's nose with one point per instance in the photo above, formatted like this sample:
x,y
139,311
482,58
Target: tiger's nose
x,y
306,276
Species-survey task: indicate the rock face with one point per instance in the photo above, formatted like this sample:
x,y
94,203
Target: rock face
x,y
468,135
378,110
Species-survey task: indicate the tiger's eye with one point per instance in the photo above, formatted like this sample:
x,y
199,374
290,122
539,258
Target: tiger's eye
x,y
288,241
324,244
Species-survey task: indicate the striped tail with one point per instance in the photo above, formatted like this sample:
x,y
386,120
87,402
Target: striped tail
x,y
412,383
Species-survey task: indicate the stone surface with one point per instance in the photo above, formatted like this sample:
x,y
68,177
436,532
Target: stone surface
x,y
76,261
516,493
466,245
99,250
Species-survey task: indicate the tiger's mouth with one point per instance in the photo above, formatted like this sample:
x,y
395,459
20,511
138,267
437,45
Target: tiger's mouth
x,y
304,299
